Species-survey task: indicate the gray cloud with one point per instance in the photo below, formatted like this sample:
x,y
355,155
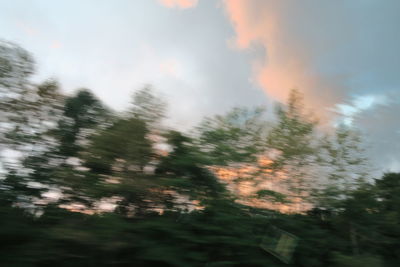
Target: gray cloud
x,y
382,128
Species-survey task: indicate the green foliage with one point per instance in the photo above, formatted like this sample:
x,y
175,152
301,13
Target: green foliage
x,y
234,137
82,112
292,143
272,196
357,261
292,135
16,65
147,106
347,167
125,140
181,214
185,165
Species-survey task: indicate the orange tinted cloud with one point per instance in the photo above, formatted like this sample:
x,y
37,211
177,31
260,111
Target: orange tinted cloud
x,y
179,3
287,62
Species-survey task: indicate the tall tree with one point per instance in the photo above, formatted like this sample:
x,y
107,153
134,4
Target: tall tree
x,y
344,161
82,113
234,137
292,144
32,172
184,171
147,106
16,67
125,141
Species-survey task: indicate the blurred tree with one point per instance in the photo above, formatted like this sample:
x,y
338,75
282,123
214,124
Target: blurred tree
x,y
149,227
82,113
125,143
345,164
39,109
388,197
184,166
147,106
16,66
388,188
292,143
234,137
120,152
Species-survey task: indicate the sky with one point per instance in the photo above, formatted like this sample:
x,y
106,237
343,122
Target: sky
x,y
207,56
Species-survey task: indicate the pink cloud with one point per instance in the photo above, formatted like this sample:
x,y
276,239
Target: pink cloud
x,y
179,3
288,62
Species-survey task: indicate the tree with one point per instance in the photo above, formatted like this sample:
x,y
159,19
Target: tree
x,y
234,137
119,153
30,176
185,169
82,113
345,165
125,141
147,106
16,66
27,113
291,141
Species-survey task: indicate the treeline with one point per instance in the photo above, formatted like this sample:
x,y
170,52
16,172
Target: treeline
x,y
83,185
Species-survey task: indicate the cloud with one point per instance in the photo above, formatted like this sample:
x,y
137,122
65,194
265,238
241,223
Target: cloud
x,y
288,61
358,105
171,67
380,123
326,49
26,28
346,66
119,47
55,44
179,3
